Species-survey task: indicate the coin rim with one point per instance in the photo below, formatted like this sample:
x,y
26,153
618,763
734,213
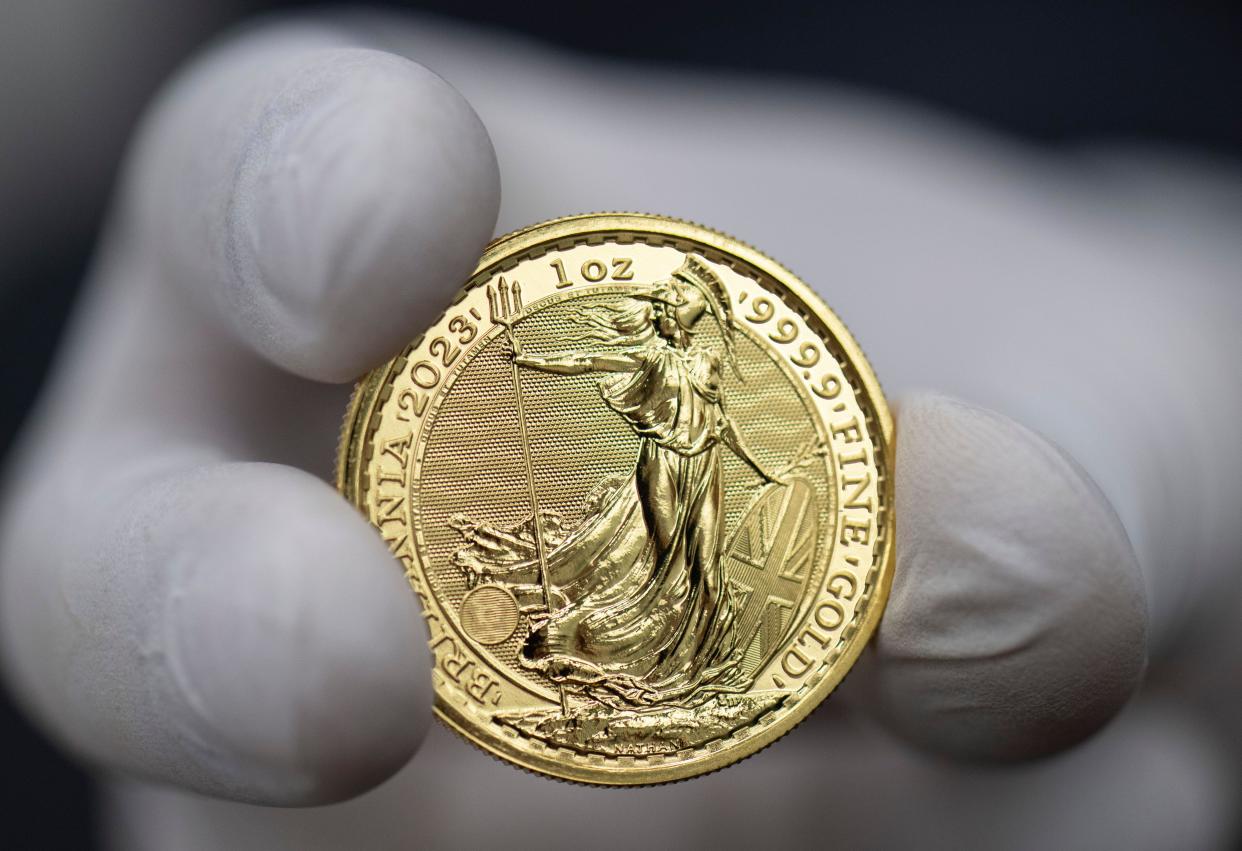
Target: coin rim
x,y
352,449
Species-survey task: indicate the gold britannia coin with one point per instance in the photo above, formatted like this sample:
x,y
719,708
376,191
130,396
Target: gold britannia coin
x,y
639,476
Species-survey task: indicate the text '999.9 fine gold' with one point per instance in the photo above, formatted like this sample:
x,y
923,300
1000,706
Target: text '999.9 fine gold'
x,y
639,476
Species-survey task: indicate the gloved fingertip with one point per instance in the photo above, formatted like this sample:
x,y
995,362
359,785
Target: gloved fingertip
x,y
1017,621
363,202
292,664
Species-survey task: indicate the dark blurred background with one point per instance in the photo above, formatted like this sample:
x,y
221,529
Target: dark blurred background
x,y
75,76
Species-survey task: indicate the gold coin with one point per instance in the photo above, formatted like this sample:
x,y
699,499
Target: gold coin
x,y
489,614
639,476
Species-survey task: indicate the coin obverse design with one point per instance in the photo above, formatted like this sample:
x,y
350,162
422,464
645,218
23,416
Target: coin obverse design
x,y
640,478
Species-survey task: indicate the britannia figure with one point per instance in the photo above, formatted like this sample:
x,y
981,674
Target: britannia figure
x,y
642,612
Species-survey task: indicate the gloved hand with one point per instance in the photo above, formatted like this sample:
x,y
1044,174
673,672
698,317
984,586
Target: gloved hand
x,y
185,599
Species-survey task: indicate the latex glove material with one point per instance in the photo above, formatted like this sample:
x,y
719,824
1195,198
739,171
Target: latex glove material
x,y
171,606
1013,631
1150,782
1093,298
200,317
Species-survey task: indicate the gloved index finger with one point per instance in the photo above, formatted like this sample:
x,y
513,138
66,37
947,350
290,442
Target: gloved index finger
x,y
322,199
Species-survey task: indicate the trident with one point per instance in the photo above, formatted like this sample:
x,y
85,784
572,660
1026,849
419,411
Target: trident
x,y
504,304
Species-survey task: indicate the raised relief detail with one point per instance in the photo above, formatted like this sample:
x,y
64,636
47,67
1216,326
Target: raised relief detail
x,y
637,473
630,611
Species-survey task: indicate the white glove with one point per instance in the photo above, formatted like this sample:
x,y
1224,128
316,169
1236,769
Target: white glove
x,y
179,604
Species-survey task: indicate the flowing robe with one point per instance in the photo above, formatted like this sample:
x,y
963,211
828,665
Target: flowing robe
x,y
645,614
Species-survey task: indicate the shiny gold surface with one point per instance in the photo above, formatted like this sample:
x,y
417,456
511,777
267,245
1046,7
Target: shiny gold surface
x,y
638,475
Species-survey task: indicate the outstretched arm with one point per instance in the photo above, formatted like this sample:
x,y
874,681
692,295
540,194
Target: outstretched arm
x,y
578,363
731,438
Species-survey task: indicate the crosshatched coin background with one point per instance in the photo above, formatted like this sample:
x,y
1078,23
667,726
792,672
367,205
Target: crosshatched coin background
x,y
761,370
576,441
1056,73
